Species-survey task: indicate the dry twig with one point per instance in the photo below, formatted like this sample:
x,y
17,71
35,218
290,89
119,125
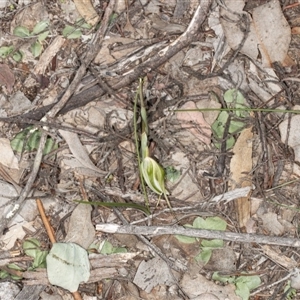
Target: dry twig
x,y
199,233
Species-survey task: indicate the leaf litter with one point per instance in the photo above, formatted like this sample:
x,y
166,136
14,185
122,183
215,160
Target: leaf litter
x,y
241,52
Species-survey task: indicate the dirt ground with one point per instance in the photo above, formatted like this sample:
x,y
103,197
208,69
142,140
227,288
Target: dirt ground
x,y
149,149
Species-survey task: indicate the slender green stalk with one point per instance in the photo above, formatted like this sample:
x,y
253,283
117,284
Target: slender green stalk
x,y
137,148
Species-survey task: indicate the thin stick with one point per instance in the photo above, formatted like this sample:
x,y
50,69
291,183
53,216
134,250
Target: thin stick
x,y
45,220
199,233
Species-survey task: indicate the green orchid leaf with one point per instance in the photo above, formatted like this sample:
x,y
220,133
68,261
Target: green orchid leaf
x,y
172,174
36,49
71,32
185,239
34,139
40,27
31,137
252,282
107,248
43,36
3,274
242,290
212,244
234,96
31,246
49,146
82,24
17,56
210,223
204,256
218,126
235,126
39,260
229,143
223,278
15,267
21,31
5,51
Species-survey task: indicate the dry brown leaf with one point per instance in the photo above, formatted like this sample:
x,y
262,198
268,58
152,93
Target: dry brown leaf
x,y
194,122
195,285
7,77
272,224
269,35
7,156
87,11
81,230
152,273
79,151
48,54
240,166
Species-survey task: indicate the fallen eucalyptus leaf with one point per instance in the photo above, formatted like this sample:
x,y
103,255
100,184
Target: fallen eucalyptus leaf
x,y
68,265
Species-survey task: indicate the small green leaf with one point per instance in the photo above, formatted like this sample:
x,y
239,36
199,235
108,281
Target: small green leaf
x,y
214,244
235,97
21,31
242,290
185,239
17,56
3,274
107,248
71,32
120,250
43,36
5,51
31,247
252,282
31,137
36,49
172,174
218,128
235,126
204,256
39,27
229,143
210,223
14,267
80,23
223,278
49,146
34,140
